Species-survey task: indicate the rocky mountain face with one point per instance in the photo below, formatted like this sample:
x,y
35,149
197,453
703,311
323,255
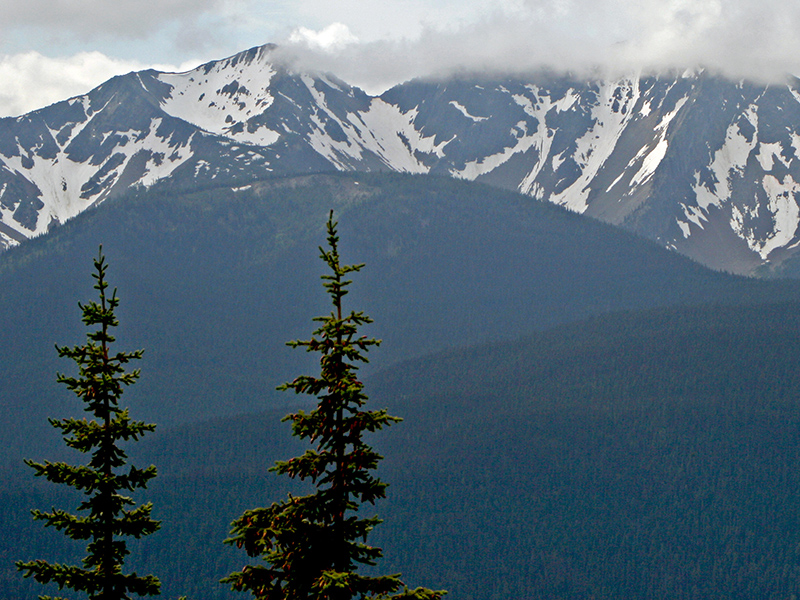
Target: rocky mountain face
x,y
705,166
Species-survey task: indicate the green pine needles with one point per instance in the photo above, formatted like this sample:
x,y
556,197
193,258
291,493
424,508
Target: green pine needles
x,y
312,545
107,514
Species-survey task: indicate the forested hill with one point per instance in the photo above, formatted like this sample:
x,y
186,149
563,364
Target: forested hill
x,y
628,429
648,456
214,282
640,456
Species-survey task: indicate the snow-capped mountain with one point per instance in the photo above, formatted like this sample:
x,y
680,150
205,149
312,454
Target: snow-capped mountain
x,y
703,165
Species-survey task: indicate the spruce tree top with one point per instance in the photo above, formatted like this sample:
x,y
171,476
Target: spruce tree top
x,y
314,544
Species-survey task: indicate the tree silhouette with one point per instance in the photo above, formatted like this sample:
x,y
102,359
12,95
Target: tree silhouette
x,y
313,544
107,515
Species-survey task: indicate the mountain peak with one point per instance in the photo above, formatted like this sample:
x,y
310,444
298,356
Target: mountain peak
x,y
703,165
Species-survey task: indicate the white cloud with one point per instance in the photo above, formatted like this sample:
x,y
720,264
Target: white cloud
x,y
94,18
31,80
740,38
393,19
376,44
333,37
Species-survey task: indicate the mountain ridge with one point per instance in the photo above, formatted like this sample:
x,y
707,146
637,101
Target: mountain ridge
x,y
702,165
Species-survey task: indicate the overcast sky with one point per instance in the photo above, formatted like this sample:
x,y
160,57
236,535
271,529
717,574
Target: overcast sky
x,y
54,49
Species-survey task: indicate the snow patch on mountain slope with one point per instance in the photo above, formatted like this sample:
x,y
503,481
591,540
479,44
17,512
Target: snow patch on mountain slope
x,y
541,139
63,182
655,154
727,163
525,138
692,214
336,151
219,98
382,130
794,140
72,129
463,110
769,154
6,216
58,180
596,145
165,155
782,203
652,158
391,135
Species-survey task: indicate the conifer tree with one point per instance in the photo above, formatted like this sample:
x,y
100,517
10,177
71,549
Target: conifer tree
x,y
106,514
312,545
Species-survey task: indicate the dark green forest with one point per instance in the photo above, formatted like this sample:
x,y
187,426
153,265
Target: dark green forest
x,y
586,415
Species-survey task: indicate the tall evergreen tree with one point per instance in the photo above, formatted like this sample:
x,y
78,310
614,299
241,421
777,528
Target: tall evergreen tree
x,y
107,515
313,544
